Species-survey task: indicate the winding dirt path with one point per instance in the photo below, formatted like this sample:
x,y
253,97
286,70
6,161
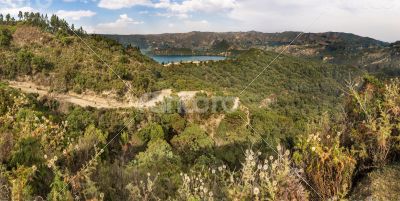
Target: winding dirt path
x,y
92,100
105,100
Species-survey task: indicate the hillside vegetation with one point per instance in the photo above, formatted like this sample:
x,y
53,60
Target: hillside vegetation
x,y
303,130
49,53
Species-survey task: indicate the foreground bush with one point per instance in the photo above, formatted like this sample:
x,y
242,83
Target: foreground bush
x,y
328,167
260,178
373,119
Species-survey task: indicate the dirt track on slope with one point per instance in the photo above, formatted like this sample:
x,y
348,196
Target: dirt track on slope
x,y
105,100
91,99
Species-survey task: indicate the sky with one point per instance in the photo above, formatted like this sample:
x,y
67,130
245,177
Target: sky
x,y
372,18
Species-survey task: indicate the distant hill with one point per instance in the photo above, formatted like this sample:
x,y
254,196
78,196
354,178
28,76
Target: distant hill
x,y
310,44
330,47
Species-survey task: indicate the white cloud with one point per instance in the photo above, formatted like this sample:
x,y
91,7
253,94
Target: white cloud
x,y
200,25
183,7
121,25
378,19
14,6
75,14
118,4
13,3
196,5
15,11
171,14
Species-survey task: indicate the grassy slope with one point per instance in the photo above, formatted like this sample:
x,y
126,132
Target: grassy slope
x,y
381,184
75,66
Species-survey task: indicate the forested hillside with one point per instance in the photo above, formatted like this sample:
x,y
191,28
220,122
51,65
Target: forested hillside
x,y
52,53
302,130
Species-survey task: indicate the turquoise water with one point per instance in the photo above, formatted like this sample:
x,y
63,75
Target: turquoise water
x,y
175,59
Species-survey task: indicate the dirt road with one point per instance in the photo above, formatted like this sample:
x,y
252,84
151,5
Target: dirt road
x,y
91,99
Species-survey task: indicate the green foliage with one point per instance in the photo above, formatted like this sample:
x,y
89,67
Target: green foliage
x,y
5,38
19,178
175,122
192,143
151,132
59,190
158,152
144,158
40,64
258,179
24,61
92,137
160,159
78,119
143,83
279,127
373,134
328,167
27,152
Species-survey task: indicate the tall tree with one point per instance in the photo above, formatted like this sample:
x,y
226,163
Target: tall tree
x,y
8,18
26,16
20,15
1,18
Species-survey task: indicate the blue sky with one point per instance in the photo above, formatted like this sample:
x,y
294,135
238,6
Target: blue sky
x,y
377,19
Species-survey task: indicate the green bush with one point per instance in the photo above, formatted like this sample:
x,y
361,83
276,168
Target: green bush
x,y
5,37
328,167
373,114
27,152
151,132
40,64
24,62
192,143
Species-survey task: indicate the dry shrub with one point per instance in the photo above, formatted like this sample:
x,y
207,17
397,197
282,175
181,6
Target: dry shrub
x,y
328,167
373,119
143,190
268,179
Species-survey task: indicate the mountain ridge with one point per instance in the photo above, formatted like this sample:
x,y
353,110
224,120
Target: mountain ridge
x,y
243,40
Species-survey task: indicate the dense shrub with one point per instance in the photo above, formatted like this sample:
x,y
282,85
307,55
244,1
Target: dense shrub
x,y
192,143
152,131
24,62
373,122
40,64
5,37
328,167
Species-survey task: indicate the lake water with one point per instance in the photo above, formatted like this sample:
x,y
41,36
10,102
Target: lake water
x,y
177,59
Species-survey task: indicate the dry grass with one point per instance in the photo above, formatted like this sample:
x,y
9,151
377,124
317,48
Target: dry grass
x,y
382,184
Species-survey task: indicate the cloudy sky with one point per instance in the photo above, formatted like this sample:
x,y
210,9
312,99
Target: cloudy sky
x,y
376,19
